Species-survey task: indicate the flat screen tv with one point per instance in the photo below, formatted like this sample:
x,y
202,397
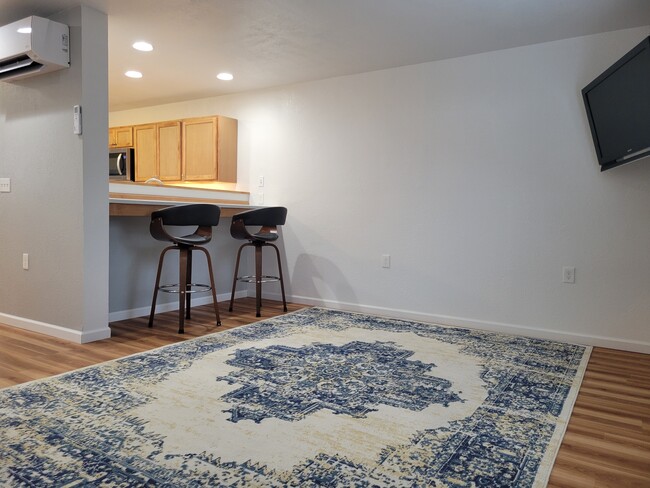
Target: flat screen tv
x,y
618,109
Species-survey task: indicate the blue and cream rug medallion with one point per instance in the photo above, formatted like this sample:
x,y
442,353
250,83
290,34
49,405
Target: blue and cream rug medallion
x,y
313,398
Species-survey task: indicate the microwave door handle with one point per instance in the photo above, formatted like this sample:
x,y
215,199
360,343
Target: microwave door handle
x,y
119,158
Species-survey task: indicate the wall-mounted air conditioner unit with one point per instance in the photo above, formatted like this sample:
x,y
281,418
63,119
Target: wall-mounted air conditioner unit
x,y
33,46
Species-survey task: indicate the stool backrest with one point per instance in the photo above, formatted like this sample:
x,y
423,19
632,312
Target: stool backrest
x,y
201,214
267,216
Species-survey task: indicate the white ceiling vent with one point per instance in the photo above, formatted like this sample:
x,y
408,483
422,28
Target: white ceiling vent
x,y
33,46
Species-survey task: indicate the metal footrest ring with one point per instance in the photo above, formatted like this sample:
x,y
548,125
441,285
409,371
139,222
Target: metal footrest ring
x,y
175,288
253,279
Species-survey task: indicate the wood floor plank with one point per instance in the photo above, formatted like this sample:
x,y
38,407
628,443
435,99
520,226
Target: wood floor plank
x,y
607,442
606,445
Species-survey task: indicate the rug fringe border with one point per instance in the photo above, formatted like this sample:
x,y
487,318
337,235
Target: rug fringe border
x,y
562,423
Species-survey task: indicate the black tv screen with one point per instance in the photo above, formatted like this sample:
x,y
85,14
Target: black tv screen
x,y
618,109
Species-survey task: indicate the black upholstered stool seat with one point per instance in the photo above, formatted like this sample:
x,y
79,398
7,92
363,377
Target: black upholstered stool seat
x,y
191,240
268,218
266,237
203,217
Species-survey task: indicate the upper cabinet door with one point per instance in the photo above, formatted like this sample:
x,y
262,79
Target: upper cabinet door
x,y
200,148
169,150
124,136
120,137
112,141
146,152
227,149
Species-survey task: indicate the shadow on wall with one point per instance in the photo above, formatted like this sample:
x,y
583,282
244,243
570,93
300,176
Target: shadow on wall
x,y
319,278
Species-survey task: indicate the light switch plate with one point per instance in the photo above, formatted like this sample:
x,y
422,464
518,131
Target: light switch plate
x,y
5,185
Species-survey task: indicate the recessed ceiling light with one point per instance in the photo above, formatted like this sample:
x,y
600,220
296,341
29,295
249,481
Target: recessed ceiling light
x,y
142,46
25,30
225,76
133,74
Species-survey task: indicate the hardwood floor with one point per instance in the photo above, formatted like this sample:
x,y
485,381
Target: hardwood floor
x,y
26,356
607,442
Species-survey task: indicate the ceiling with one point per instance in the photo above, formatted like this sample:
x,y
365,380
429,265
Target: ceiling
x,y
267,43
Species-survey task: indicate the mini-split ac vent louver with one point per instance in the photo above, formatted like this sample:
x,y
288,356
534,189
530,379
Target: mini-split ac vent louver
x,y
33,46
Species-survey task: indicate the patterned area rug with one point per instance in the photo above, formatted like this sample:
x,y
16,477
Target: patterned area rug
x,y
312,398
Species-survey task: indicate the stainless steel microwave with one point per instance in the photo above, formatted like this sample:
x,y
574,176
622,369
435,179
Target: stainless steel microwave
x,y
121,163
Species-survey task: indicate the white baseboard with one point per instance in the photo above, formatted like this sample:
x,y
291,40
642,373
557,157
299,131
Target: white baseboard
x,y
52,330
95,335
83,337
549,334
169,306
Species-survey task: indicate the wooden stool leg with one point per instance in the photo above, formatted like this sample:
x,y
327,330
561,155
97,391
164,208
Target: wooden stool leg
x,y
188,296
277,253
212,285
155,288
234,276
182,289
258,280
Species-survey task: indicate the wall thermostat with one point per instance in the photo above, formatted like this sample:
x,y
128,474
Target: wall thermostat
x,y
76,119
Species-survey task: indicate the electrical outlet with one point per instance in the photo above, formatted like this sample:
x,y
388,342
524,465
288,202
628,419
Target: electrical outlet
x,y
260,181
385,260
569,274
5,185
25,261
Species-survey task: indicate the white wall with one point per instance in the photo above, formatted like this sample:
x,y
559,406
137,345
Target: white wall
x,y
476,174
57,210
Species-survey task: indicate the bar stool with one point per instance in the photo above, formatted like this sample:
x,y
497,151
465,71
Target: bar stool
x,y
269,219
204,217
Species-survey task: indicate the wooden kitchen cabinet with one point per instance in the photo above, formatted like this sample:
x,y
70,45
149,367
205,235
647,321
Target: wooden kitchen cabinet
x,y
146,151
120,137
158,151
169,150
200,148
210,149
227,149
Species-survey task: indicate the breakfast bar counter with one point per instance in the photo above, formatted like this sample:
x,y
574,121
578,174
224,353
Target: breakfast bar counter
x,y
139,200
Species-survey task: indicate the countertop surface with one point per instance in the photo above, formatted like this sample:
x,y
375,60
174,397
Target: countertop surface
x,y
137,190
138,200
